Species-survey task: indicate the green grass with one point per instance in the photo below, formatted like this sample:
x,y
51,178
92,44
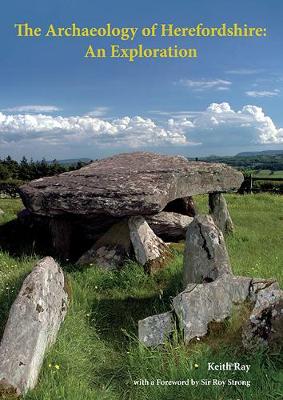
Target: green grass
x,y
11,208
267,173
97,352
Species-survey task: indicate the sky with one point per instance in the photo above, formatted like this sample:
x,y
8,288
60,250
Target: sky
x,y
55,103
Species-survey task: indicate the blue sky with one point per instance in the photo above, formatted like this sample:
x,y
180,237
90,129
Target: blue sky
x,y
56,104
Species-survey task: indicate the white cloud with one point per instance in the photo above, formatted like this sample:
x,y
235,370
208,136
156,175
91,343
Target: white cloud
x,y
244,71
98,112
263,93
133,132
217,125
220,124
223,88
175,114
32,109
203,84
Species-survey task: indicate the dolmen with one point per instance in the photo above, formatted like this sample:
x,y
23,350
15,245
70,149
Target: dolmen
x,y
126,206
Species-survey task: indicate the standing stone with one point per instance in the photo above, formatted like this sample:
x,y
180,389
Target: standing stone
x,y
112,249
33,324
220,213
61,234
155,330
150,250
206,257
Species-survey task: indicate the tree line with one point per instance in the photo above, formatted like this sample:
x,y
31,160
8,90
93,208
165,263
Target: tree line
x,y
27,170
255,163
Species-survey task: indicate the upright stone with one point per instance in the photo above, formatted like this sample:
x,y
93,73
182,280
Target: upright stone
x,y
220,213
150,250
112,249
206,257
61,234
33,324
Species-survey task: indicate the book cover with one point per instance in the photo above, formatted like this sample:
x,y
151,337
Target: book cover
x,y
141,181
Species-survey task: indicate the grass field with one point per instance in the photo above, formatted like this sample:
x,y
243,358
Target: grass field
x,y
267,173
97,355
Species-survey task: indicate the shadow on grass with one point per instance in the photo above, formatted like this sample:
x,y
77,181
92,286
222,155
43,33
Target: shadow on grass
x,y
116,320
19,241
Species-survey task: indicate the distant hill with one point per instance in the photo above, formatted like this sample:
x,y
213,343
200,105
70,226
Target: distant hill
x,y
71,161
262,160
260,153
